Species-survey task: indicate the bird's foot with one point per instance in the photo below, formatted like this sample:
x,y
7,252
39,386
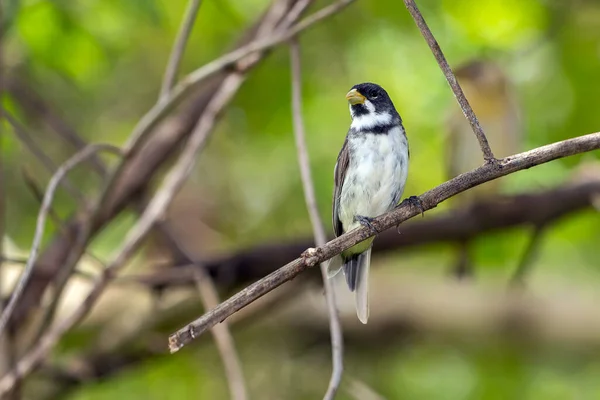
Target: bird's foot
x,y
414,201
368,222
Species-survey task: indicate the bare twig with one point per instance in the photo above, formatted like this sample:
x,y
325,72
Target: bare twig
x,y
32,103
135,171
430,199
155,210
223,338
337,342
206,287
185,29
41,221
150,120
38,153
189,82
488,155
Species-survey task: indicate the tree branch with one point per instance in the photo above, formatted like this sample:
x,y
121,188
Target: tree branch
x,y
488,155
41,221
139,169
429,200
315,219
179,47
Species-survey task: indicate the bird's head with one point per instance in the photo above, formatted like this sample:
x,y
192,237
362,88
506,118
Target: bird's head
x,y
371,107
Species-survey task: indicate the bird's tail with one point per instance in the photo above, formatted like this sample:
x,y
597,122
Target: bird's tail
x,y
356,270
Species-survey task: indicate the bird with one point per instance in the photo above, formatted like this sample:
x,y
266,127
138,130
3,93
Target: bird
x,y
369,179
492,98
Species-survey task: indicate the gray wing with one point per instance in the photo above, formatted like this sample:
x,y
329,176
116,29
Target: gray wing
x,y
339,174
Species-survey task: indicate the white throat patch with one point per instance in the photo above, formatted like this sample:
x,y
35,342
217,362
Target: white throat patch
x,y
369,120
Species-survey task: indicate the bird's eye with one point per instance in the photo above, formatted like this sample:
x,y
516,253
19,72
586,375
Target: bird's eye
x,y
374,95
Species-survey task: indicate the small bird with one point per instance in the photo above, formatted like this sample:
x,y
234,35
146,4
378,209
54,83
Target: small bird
x,y
369,179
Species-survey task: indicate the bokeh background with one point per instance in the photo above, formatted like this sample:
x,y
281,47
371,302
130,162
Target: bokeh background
x,y
100,64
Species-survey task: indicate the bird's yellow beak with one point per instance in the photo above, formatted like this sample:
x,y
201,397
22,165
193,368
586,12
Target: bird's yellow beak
x,y
354,97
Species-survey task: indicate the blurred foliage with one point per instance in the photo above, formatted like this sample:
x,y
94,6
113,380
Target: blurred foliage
x,y
100,64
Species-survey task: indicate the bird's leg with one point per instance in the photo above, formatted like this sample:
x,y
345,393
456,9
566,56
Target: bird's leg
x,y
414,201
368,222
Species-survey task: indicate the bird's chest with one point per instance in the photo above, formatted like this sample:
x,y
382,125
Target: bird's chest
x,y
375,177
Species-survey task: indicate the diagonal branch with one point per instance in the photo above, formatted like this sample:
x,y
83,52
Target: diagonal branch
x,y
155,210
317,224
135,173
41,221
488,155
179,47
429,200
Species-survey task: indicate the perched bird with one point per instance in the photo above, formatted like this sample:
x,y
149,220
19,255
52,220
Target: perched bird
x,y
369,179
490,94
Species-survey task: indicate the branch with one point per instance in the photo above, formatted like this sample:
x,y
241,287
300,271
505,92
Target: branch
x,y
24,137
179,47
137,171
488,155
155,210
429,200
318,228
204,283
41,221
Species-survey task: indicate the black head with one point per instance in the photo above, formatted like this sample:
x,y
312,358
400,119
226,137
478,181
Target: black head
x,y
367,98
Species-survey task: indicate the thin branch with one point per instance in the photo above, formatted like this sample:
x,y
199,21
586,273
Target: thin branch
x,y
134,172
32,103
185,29
151,119
488,155
206,287
337,341
38,153
155,210
41,221
223,338
429,200
467,222
160,110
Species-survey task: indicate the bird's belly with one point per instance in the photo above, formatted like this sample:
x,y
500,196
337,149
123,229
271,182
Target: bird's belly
x,y
375,178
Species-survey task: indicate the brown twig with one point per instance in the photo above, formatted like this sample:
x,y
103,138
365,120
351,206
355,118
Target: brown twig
x,y
494,214
41,221
155,210
136,172
337,343
38,153
430,199
206,287
32,103
179,47
488,155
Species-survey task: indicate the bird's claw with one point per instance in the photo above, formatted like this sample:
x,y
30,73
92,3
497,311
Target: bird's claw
x,y
414,201
368,222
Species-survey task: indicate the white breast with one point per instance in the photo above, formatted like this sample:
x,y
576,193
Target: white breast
x,y
376,176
